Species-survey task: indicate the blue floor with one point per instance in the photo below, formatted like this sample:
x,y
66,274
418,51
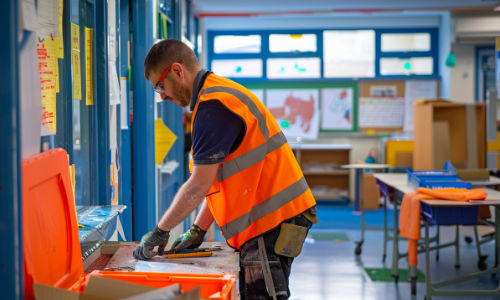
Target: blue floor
x,y
330,270
344,217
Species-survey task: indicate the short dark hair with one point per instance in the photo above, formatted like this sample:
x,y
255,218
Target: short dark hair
x,y
167,52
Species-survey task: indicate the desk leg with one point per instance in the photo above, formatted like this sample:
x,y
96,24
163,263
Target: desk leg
x,y
385,229
395,238
357,188
359,206
497,235
428,281
457,248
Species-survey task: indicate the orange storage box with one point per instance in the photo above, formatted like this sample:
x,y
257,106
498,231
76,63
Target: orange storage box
x,y
213,286
52,253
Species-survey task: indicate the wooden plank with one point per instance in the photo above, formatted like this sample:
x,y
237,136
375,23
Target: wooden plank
x,y
422,135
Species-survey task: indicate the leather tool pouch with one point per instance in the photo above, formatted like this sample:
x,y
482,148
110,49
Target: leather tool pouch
x,y
290,240
310,216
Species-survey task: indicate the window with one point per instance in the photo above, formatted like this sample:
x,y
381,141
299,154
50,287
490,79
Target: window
x,y
406,42
408,52
293,68
325,54
292,43
238,67
406,66
349,53
237,44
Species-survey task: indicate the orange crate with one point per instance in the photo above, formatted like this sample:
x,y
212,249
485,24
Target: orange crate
x,y
52,253
213,286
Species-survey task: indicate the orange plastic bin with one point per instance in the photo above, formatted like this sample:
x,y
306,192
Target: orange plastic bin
x,y
52,253
213,286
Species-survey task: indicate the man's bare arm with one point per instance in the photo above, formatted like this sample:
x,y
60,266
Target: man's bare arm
x,y
189,196
204,218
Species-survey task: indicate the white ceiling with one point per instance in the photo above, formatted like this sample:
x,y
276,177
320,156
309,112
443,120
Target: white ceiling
x,y
252,7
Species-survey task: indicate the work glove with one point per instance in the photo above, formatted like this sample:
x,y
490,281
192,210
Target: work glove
x,y
157,237
189,240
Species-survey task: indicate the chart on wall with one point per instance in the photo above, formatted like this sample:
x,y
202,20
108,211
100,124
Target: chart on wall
x,y
337,109
296,111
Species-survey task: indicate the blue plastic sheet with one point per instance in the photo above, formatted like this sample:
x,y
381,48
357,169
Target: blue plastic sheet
x,y
99,223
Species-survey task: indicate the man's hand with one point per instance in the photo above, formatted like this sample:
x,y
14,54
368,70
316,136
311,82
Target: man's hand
x,y
190,239
157,237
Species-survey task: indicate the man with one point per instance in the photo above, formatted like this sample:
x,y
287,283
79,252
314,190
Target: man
x,y
242,165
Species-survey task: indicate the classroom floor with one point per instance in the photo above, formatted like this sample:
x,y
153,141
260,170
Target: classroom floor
x,y
328,269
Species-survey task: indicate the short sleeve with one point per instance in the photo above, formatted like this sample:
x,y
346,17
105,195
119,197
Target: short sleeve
x,y
217,132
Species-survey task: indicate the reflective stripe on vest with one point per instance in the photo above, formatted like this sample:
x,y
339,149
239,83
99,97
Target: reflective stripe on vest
x,y
247,101
264,208
250,158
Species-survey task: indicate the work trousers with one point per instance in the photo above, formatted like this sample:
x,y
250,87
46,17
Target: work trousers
x,y
252,282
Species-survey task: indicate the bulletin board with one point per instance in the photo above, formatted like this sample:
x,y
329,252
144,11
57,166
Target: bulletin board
x,y
387,106
372,92
337,102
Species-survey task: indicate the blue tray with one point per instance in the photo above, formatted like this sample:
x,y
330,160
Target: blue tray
x,y
428,173
450,215
438,184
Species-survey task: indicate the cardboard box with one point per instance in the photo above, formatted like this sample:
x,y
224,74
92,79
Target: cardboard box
x,y
101,288
371,193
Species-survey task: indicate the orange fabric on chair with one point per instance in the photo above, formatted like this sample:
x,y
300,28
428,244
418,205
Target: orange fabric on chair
x,y
409,215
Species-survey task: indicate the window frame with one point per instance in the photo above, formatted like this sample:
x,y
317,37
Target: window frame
x,y
433,52
266,54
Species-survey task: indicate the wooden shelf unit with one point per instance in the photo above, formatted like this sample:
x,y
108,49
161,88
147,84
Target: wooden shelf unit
x,y
441,132
321,165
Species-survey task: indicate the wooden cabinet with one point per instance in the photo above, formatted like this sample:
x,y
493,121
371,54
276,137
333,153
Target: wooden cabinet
x,y
321,165
446,130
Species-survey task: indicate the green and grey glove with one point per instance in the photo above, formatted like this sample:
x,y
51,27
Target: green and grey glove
x,y
157,237
189,240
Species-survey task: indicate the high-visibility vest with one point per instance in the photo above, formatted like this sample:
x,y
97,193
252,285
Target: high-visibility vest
x,y
260,184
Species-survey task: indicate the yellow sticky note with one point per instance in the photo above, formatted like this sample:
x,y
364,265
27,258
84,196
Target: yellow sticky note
x,y
164,140
75,61
89,67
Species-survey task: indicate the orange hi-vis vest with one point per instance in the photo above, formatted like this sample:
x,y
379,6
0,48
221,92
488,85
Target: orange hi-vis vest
x,y
260,184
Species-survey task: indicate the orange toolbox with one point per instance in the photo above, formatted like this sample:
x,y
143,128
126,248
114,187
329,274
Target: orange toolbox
x,y
52,253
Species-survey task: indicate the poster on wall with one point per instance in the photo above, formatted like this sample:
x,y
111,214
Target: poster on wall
x,y
415,90
337,109
381,112
296,111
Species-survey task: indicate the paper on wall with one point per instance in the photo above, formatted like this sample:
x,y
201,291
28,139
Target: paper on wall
x,y
30,18
296,111
30,96
114,85
164,140
337,109
415,90
89,67
123,106
381,112
48,70
48,18
75,61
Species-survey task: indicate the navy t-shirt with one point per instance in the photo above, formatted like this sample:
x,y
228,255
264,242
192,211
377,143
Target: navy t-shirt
x,y
217,132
